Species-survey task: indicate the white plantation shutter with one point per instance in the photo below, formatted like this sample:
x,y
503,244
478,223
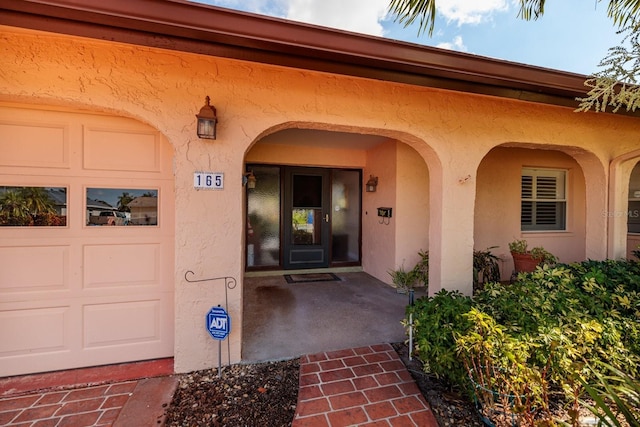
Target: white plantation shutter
x,y
544,201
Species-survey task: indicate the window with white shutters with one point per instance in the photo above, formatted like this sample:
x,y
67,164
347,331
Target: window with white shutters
x,y
544,203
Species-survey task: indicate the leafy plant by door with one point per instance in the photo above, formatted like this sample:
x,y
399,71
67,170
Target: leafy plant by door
x,y
486,268
403,279
421,269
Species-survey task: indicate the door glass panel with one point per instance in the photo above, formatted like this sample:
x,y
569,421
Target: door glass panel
x,y
307,191
345,205
306,215
263,217
306,225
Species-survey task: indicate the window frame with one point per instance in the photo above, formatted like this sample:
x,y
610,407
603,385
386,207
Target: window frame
x,y
535,200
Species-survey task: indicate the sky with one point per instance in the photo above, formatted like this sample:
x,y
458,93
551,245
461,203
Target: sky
x,y
110,195
573,35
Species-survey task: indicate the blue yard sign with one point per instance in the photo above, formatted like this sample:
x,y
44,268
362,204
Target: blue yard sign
x,y
218,323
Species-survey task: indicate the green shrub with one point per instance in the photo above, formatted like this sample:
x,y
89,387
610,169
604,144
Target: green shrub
x,y
504,384
539,335
615,396
437,320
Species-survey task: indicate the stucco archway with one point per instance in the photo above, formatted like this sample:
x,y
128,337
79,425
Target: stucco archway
x,y
401,162
403,185
498,211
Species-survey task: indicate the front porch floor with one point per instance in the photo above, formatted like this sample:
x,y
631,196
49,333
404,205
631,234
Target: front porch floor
x,y
282,320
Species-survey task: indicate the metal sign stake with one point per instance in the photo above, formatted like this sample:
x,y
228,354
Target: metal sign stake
x,y
411,294
219,358
218,322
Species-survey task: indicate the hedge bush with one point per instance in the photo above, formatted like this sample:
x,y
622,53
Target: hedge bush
x,y
546,333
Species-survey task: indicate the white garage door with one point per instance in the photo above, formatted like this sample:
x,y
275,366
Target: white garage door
x,y
86,240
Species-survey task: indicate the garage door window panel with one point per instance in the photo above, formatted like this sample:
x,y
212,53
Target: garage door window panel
x,y
121,207
33,206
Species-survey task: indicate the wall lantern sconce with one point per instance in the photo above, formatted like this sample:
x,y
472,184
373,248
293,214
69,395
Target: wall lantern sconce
x,y
249,179
372,184
207,121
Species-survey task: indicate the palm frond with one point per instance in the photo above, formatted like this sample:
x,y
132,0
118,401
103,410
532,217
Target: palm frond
x,y
531,9
407,11
624,12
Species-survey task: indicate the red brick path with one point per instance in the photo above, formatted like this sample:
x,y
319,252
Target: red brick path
x,y
123,395
90,406
366,386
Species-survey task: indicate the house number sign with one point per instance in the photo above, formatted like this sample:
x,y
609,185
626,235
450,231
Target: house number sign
x,y
208,180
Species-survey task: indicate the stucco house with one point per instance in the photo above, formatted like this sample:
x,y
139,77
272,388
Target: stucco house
x,y
468,152
144,210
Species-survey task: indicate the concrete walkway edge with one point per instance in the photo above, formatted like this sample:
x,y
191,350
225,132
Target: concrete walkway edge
x,y
147,405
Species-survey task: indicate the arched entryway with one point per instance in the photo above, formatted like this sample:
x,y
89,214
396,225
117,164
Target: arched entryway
x,y
541,194
362,246
335,165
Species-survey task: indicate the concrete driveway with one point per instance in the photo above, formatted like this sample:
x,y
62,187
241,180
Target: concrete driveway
x,y
284,320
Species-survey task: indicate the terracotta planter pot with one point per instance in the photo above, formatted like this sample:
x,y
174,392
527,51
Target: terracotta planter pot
x,y
524,263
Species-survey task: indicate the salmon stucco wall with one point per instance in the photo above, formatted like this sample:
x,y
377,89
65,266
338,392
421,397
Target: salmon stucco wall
x,y
412,206
304,155
378,237
452,131
403,185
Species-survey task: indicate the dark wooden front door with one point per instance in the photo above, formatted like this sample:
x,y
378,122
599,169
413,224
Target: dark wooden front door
x,y
307,216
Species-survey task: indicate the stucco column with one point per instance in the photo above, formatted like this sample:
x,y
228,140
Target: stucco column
x,y
209,245
618,207
595,179
452,201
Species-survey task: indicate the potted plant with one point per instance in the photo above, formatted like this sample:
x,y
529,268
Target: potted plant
x,y
403,279
486,268
525,260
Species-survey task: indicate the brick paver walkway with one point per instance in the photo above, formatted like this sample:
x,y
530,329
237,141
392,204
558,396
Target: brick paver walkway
x,y
89,406
365,386
122,395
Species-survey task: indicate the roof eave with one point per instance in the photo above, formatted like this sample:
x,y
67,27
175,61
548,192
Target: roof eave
x,y
208,30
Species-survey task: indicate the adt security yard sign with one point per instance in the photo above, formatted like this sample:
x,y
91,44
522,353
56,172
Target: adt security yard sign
x,y
218,323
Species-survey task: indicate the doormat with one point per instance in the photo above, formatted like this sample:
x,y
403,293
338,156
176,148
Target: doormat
x,y
311,277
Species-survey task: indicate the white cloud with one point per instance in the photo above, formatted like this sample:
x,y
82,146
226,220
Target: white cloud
x,y
456,44
263,7
361,16
470,11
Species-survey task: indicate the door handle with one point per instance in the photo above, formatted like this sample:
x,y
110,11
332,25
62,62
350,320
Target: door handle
x,y
326,217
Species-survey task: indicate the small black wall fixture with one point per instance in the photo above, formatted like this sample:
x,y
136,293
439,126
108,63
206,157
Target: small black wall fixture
x,y
249,179
207,121
372,184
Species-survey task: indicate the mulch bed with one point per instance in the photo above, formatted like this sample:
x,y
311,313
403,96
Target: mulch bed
x,y
266,394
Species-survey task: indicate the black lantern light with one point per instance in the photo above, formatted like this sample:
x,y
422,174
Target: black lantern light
x,y
207,121
249,179
372,184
